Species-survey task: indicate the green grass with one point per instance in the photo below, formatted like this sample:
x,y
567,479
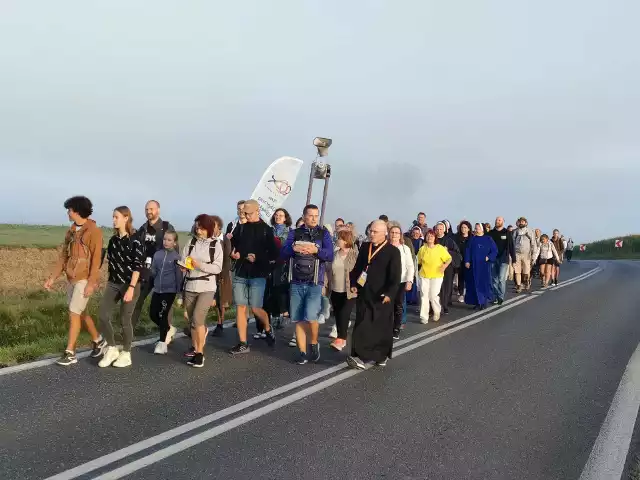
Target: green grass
x,y
35,324
44,236
37,236
605,249
634,470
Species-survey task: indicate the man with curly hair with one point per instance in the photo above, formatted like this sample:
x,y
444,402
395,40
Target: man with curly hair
x,y
80,260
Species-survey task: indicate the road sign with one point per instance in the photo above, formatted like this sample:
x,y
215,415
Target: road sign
x,y
619,243
583,248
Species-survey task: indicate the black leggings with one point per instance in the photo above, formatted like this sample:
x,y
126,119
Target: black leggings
x,y
159,311
398,306
460,272
342,308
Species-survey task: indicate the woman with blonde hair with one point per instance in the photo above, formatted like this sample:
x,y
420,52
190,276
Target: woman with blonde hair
x,y
396,238
126,256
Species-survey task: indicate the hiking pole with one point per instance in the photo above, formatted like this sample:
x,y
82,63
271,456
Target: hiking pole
x,y
320,171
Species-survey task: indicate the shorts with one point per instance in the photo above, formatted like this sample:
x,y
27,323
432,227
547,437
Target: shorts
x,y
305,302
249,291
75,297
522,265
549,261
197,307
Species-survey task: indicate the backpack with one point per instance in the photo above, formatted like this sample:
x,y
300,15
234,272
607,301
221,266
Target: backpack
x,y
212,254
518,240
80,260
305,268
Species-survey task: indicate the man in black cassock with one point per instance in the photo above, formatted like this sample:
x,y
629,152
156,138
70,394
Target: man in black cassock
x,y
376,278
456,259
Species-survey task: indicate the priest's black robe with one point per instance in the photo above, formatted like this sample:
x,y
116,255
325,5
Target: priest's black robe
x,y
372,338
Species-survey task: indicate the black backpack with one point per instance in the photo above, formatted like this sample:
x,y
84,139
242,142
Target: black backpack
x,y
305,268
212,254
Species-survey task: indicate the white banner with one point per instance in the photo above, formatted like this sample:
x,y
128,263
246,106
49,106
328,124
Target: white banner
x,y
276,185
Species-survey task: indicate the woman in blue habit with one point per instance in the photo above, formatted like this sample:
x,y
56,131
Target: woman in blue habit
x,y
481,251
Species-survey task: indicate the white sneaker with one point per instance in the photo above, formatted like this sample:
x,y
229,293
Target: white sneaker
x,y
170,335
436,317
161,348
334,332
461,299
124,360
293,342
321,319
110,356
424,321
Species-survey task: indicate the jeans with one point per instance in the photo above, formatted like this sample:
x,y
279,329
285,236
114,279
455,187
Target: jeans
x,y
306,302
249,291
404,310
499,273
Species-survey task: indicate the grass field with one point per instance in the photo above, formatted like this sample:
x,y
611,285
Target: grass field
x,y
605,249
33,322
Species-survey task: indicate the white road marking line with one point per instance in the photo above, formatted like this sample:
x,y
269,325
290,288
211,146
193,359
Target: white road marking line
x,y
50,361
147,341
572,281
609,453
103,461
169,434
242,419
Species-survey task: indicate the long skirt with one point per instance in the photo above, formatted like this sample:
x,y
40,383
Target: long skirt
x,y
372,337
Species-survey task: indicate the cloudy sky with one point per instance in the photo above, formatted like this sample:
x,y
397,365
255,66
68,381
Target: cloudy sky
x,y
463,109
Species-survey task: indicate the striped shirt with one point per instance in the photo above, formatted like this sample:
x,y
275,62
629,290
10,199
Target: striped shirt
x,y
126,255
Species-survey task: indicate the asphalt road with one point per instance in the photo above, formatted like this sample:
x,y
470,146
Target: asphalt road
x,y
517,392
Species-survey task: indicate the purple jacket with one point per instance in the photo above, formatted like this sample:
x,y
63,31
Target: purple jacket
x,y
324,243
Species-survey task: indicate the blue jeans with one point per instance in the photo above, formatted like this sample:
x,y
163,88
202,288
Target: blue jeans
x,y
248,291
499,273
305,302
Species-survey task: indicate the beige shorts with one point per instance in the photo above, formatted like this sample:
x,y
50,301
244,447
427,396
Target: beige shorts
x,y
197,305
522,265
75,296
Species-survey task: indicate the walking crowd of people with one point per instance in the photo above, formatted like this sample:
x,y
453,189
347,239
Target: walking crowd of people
x,y
284,273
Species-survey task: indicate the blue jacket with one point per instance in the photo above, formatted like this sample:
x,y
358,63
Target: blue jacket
x,y
167,276
325,250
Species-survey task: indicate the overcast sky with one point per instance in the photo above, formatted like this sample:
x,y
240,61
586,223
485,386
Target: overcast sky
x,y
463,109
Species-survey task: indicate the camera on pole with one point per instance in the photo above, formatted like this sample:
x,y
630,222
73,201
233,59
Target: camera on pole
x,y
320,171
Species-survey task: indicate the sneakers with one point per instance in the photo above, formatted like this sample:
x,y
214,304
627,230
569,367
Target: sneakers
x,y
218,331
302,358
355,362
170,335
98,348
123,360
240,349
334,332
500,301
382,363
445,311
436,316
270,337
197,361
293,342
461,298
322,319
424,320
190,353
259,335
396,334
338,344
67,358
110,356
403,326
315,352
555,282
161,348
